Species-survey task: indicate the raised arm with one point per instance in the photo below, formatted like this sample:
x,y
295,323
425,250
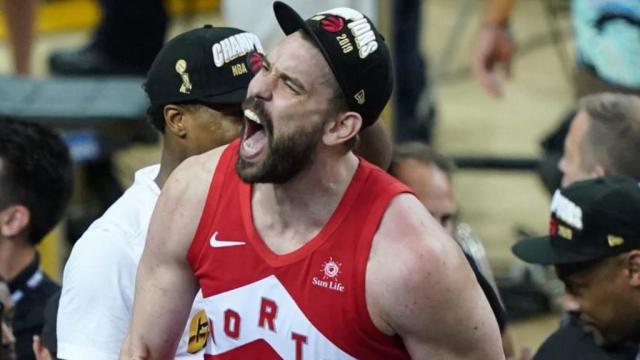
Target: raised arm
x,y
165,285
420,286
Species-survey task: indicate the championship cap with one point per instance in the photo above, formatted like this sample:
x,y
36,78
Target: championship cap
x,y
210,64
356,53
590,219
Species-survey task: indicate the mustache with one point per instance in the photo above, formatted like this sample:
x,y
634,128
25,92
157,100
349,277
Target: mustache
x,y
258,106
254,104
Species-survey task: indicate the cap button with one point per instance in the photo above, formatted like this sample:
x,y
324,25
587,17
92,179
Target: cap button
x,y
208,26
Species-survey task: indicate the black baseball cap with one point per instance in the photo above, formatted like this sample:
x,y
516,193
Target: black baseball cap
x,y
590,219
211,65
355,51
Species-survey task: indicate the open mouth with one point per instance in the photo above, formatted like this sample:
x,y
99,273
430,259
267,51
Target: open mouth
x,y
254,138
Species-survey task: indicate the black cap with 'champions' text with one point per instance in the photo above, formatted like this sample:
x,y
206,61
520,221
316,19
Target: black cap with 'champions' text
x,y
211,65
356,53
590,219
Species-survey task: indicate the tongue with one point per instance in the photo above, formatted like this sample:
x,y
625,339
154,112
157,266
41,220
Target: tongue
x,y
254,144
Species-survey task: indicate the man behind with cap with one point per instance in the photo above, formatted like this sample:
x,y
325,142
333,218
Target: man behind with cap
x,y
594,244
302,250
603,139
195,86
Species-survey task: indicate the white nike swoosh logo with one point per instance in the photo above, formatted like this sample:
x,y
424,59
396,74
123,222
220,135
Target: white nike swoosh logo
x,y
219,244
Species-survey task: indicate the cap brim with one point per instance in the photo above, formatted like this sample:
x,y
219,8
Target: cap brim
x,y
233,97
539,250
291,22
288,18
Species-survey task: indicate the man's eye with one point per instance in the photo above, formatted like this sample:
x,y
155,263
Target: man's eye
x,y
291,87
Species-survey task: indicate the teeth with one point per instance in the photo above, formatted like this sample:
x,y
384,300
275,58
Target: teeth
x,y
252,116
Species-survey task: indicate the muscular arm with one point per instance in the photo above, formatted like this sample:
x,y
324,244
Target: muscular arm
x,y
165,285
426,292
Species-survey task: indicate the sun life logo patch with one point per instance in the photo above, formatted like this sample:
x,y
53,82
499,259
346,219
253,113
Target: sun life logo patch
x,y
330,270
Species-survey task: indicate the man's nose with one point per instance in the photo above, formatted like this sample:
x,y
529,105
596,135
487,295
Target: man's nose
x,y
261,86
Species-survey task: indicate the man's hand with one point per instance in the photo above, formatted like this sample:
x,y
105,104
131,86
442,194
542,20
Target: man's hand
x,y
494,46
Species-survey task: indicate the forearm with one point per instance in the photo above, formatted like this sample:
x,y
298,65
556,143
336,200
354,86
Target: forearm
x,y
497,12
164,295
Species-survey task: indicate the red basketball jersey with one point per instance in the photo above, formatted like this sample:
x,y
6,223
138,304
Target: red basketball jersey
x,y
307,304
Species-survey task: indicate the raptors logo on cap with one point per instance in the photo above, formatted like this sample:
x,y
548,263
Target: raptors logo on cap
x,y
553,226
332,23
254,61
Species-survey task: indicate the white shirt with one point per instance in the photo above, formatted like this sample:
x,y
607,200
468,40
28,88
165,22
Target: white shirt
x,y
99,280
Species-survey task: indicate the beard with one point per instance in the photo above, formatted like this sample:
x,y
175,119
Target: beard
x,y
286,157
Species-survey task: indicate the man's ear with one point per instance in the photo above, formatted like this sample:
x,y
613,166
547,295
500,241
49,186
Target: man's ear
x,y
13,220
174,120
633,267
342,128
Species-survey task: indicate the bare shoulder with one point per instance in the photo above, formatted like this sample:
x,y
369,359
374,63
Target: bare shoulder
x,y
177,212
417,276
421,248
190,181
409,229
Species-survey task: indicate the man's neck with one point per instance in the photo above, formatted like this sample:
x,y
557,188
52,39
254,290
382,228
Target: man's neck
x,y
15,256
310,198
169,161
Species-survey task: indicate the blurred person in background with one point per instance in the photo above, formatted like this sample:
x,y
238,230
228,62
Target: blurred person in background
x,y
45,345
494,45
35,187
126,41
19,17
415,104
594,245
603,139
607,45
7,351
